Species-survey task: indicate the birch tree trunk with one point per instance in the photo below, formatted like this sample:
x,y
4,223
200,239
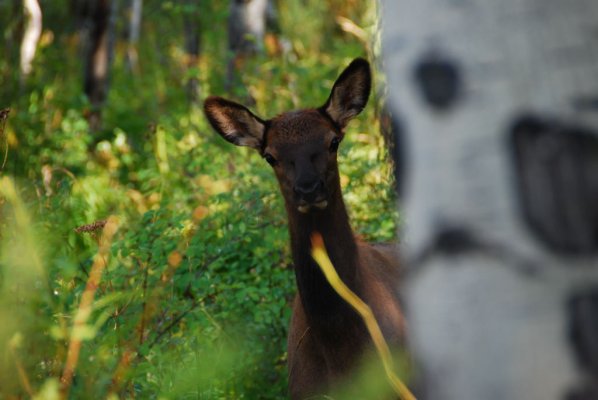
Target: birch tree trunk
x,y
100,19
33,30
192,32
498,101
246,28
134,32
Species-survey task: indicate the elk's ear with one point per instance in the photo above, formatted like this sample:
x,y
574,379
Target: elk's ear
x,y
234,122
350,92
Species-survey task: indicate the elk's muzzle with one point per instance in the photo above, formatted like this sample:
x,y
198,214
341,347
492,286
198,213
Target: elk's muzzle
x,y
310,194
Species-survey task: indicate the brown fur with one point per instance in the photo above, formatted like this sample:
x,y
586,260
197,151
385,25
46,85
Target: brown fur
x,y
336,340
326,337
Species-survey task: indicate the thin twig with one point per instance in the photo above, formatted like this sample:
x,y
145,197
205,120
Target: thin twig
x,y
147,314
121,369
172,324
144,307
21,371
3,117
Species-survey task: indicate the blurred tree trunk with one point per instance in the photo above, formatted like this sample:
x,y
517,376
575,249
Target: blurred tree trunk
x,y
192,32
499,104
246,28
33,30
100,16
13,34
388,125
134,32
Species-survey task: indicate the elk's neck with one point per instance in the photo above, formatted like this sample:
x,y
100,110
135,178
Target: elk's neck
x,y
321,303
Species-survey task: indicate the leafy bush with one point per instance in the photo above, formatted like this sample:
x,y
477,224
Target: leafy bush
x,y
194,299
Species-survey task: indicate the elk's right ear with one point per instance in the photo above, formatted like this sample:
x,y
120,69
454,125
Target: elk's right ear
x,y
235,122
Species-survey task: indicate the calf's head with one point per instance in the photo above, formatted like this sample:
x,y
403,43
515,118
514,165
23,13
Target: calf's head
x,y
301,145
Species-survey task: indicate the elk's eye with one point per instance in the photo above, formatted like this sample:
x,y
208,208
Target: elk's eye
x,y
271,160
334,144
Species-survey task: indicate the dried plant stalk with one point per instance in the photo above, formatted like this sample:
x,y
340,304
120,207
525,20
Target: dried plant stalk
x,y
85,306
93,227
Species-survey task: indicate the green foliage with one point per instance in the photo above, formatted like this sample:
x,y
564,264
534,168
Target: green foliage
x,y
195,299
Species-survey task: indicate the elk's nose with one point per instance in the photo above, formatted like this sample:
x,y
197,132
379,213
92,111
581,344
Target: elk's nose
x,y
309,190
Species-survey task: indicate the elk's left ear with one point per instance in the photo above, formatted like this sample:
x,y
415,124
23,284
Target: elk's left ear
x,y
350,92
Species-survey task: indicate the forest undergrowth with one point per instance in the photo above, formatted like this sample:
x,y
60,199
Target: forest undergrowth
x,y
187,294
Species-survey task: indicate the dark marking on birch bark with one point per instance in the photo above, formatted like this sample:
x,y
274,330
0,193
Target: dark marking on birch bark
x,y
399,154
453,240
586,103
440,81
588,392
556,168
582,310
392,130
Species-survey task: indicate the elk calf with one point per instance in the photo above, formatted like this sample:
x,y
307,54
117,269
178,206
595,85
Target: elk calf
x,y
326,337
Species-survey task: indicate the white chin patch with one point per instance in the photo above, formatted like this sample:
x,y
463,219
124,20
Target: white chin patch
x,y
304,209
321,205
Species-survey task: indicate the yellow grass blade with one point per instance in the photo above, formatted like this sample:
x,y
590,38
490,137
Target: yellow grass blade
x,y
320,255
